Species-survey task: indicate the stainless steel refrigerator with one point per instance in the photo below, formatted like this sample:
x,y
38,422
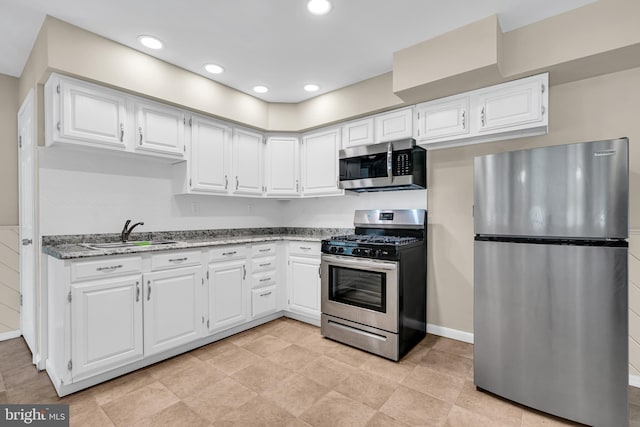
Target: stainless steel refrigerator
x,y
550,279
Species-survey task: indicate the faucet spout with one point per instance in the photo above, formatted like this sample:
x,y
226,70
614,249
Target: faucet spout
x,y
126,231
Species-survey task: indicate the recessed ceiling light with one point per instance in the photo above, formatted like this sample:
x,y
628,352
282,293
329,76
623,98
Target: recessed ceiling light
x,y
213,68
150,42
311,87
319,7
260,89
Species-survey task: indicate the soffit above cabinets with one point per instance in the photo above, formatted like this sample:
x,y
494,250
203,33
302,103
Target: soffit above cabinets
x,y
276,44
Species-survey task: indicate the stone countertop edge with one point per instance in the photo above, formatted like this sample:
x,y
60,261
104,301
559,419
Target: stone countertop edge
x,y
67,247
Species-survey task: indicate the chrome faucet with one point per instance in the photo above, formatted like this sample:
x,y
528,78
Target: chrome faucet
x,y
126,231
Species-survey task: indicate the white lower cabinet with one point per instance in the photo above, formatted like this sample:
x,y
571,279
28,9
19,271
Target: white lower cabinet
x,y
227,294
171,308
304,279
263,301
107,325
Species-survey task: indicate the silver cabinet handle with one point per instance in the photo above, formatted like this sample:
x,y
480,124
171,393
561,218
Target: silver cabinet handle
x,y
110,268
266,279
305,248
226,182
178,259
264,250
237,182
148,290
244,272
464,120
266,294
320,272
140,130
229,253
137,291
265,265
482,116
121,132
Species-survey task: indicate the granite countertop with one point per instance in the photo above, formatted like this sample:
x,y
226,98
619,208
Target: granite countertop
x,y
71,246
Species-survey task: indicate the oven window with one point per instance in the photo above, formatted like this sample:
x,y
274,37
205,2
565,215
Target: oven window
x,y
360,288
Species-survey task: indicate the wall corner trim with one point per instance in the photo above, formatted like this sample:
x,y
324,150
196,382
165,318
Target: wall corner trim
x,y
15,334
454,334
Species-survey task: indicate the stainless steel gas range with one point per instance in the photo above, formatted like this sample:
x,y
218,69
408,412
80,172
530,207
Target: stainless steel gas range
x,y
374,282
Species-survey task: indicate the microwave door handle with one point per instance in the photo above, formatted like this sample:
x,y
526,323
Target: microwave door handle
x,y
390,162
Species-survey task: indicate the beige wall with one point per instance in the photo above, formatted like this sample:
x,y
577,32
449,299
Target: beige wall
x,y
602,107
8,150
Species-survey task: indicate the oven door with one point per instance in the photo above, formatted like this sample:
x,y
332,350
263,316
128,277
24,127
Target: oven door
x,y
361,290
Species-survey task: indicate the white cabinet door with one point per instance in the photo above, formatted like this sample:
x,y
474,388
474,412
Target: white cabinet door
x,y
510,104
106,319
228,294
441,120
209,156
304,285
86,114
394,125
359,132
160,129
171,311
283,166
247,162
320,163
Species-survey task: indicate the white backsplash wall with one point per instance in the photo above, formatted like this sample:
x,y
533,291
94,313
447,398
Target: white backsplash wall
x,y
86,192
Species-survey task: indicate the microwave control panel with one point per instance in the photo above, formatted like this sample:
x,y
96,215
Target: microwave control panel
x,y
402,163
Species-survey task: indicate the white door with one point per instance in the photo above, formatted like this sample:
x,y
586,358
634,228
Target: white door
x,y
320,163
442,120
247,162
283,166
27,173
210,156
171,308
394,125
359,132
228,296
88,114
106,319
160,129
304,285
510,104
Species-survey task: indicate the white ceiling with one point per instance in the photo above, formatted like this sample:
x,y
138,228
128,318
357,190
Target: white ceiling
x,y
275,43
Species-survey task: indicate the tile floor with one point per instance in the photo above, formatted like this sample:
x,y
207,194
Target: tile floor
x,y
283,373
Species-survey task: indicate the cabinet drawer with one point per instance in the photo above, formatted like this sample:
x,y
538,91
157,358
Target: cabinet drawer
x,y
263,264
175,259
228,252
305,248
105,267
263,250
263,301
264,279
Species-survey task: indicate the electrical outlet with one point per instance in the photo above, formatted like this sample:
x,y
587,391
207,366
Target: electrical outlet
x,y
195,207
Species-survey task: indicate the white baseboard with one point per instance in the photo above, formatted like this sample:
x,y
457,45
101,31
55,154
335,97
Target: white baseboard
x,y
9,335
454,334
634,380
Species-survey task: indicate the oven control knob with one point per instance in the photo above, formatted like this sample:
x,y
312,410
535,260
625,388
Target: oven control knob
x,y
357,251
333,249
340,250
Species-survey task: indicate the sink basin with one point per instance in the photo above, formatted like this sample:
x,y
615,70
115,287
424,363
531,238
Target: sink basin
x,y
132,244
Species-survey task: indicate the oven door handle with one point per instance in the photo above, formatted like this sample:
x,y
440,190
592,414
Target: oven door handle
x,y
359,262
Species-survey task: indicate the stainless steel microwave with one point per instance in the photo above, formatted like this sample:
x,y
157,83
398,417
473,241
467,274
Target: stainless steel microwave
x,y
395,165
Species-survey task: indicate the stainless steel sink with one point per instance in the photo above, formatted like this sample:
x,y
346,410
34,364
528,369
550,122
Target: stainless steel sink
x,y
131,244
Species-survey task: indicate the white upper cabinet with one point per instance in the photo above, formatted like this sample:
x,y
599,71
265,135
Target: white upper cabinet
x,y
359,132
437,120
210,157
282,166
82,113
511,104
160,128
510,110
394,125
320,163
247,162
